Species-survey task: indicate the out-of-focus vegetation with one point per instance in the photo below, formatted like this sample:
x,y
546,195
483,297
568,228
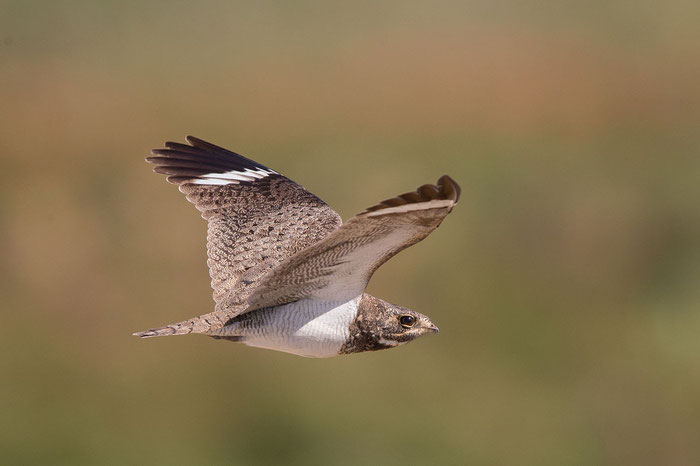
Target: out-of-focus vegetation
x,y
566,283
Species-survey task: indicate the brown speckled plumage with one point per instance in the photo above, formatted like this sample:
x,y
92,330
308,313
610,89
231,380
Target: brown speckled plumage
x,y
271,244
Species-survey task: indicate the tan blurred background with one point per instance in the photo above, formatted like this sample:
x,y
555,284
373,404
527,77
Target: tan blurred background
x,y
566,283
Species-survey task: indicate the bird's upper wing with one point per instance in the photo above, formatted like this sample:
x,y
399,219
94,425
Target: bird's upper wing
x,y
257,217
340,266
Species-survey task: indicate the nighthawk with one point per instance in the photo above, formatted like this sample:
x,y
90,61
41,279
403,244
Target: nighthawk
x,y
287,274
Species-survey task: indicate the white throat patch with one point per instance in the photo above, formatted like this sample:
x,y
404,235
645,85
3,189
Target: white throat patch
x,y
392,343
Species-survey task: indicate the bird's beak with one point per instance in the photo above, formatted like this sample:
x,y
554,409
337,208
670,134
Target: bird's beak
x,y
434,328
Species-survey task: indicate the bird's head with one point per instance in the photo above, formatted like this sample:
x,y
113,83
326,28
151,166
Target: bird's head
x,y
401,325
385,325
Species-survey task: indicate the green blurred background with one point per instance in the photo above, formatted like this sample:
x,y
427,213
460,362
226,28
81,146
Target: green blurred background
x,y
566,283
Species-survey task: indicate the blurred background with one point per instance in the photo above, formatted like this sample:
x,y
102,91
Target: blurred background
x,y
566,284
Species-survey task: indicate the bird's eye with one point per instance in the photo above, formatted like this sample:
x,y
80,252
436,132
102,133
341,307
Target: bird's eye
x,y
407,321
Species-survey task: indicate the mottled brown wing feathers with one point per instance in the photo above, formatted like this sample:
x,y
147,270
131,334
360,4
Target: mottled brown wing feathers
x,y
340,266
256,219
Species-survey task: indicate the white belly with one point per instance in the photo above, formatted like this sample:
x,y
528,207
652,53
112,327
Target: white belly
x,y
310,328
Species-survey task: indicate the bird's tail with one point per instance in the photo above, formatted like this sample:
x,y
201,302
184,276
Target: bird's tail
x,y
172,329
202,324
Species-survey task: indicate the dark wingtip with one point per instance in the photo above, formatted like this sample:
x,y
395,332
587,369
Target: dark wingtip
x,y
201,143
449,187
446,189
184,163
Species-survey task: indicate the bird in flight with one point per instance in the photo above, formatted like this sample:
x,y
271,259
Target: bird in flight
x,y
287,274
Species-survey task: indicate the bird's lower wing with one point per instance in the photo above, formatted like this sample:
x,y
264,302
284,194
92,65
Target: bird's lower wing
x,y
340,266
